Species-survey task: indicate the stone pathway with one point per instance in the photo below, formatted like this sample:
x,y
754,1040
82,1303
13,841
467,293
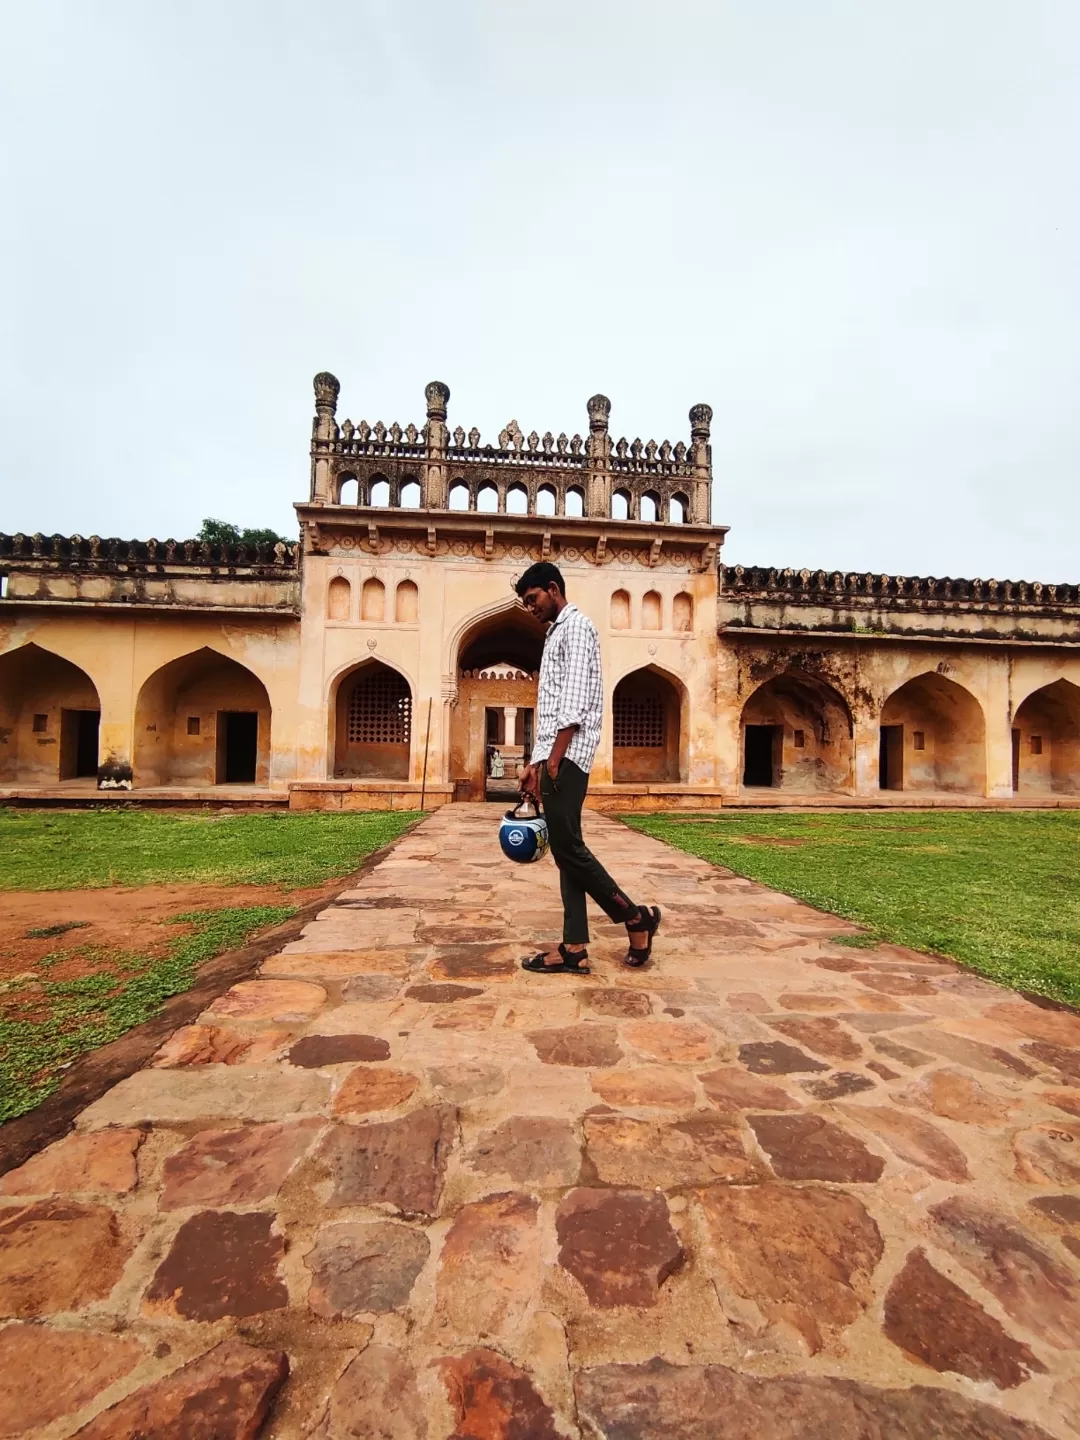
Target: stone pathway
x,y
772,1188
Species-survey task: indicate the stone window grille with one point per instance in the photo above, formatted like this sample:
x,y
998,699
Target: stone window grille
x,y
380,710
41,724
638,722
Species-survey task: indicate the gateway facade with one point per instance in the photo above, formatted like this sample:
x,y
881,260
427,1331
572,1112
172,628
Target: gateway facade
x,y
379,662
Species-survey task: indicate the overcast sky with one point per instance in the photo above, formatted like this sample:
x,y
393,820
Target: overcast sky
x,y
851,226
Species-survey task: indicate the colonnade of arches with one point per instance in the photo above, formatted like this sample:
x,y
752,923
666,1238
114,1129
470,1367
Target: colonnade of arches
x,y
797,733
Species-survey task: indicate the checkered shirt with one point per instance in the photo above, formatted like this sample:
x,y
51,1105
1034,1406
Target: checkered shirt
x,y
571,689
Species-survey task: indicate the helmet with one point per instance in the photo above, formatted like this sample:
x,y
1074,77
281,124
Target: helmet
x,y
524,837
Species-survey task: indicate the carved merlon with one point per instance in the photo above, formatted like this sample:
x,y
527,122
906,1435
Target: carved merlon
x,y
436,459
766,583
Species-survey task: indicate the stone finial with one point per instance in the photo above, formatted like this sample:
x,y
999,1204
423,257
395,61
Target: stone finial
x,y
437,396
599,408
327,390
700,421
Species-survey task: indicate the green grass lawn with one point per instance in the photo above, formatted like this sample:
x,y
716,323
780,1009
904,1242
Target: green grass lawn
x,y
998,891
46,1022
81,849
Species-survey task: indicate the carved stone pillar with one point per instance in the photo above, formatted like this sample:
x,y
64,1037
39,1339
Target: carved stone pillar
x,y
598,490
436,485
510,723
324,432
701,458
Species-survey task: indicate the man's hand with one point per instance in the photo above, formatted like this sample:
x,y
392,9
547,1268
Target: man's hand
x,y
529,782
553,767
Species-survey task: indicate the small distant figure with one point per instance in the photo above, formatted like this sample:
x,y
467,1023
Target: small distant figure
x,y
498,768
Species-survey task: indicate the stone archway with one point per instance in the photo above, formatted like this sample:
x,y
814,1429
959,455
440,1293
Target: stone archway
x,y
647,729
497,663
202,719
933,737
371,723
797,735
50,717
1046,741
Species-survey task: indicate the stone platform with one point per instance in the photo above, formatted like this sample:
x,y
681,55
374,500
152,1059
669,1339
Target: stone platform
x,y
771,1188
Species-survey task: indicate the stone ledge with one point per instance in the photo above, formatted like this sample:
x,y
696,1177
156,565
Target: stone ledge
x,y
367,795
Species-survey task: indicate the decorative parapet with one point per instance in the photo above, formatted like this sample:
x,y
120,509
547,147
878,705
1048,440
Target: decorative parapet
x,y
77,552
832,585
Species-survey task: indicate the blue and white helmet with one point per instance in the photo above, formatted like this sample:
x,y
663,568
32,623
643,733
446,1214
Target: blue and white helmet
x,y
524,838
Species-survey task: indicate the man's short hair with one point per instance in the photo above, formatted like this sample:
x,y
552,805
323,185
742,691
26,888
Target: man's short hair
x,y
540,576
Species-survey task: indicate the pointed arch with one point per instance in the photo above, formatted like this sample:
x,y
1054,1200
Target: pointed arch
x,y
202,719
650,728
406,603
371,722
797,734
50,713
373,599
1046,741
339,599
934,736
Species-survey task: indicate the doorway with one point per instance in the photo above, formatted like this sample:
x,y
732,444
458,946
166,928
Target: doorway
x,y
1016,760
761,748
79,744
891,758
237,746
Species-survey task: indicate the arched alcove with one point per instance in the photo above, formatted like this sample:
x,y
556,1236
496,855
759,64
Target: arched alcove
x,y
517,500
406,603
373,600
496,660
797,735
933,737
682,613
487,499
458,498
372,712
202,719
620,610
575,502
410,495
652,611
348,490
620,505
338,599
650,506
380,491
678,509
1046,741
545,500
50,716
647,729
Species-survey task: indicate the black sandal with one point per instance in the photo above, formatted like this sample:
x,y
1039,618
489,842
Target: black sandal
x,y
573,963
648,918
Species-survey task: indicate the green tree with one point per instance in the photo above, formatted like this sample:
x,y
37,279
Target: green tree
x,y
220,532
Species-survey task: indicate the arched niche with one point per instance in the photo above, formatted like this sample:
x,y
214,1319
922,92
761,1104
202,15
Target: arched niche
x,y
50,717
406,603
1046,741
648,730
933,738
620,505
517,500
620,610
373,599
575,502
652,611
338,599
682,613
797,735
372,718
202,719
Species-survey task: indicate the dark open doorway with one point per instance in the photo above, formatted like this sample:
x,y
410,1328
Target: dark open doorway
x,y
238,746
761,747
79,744
1016,759
891,757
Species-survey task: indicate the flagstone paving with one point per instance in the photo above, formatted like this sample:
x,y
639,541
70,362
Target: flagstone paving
x,y
770,1188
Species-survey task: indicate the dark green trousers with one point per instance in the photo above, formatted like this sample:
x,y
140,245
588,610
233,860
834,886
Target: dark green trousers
x,y
580,873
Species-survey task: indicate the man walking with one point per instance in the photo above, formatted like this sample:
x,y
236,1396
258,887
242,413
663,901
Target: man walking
x,y
570,707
